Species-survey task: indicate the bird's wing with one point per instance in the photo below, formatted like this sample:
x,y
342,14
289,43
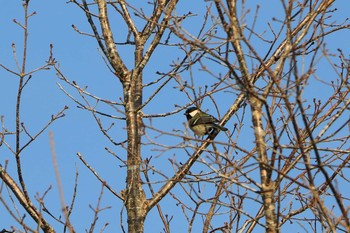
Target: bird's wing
x,y
204,119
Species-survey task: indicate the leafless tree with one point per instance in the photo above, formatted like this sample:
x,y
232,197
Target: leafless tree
x,y
285,157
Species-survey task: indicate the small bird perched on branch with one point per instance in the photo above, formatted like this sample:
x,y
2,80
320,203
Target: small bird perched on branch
x,y
201,123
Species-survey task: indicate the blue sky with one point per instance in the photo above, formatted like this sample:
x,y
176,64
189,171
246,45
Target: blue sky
x,y
80,60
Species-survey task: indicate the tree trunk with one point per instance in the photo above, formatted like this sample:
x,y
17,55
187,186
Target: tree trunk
x,y
135,197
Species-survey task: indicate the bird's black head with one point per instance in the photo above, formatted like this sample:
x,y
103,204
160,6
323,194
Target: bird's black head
x,y
188,111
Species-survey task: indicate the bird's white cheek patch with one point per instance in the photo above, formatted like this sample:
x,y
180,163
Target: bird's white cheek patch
x,y
193,113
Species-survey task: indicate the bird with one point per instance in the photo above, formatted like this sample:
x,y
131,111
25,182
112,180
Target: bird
x,y
202,123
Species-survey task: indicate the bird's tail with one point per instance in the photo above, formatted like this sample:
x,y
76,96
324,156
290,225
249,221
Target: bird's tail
x,y
220,127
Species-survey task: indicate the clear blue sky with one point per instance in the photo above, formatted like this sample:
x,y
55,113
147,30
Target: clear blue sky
x,y
80,61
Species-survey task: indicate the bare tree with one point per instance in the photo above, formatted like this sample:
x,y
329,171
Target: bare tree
x,y
288,131
285,153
